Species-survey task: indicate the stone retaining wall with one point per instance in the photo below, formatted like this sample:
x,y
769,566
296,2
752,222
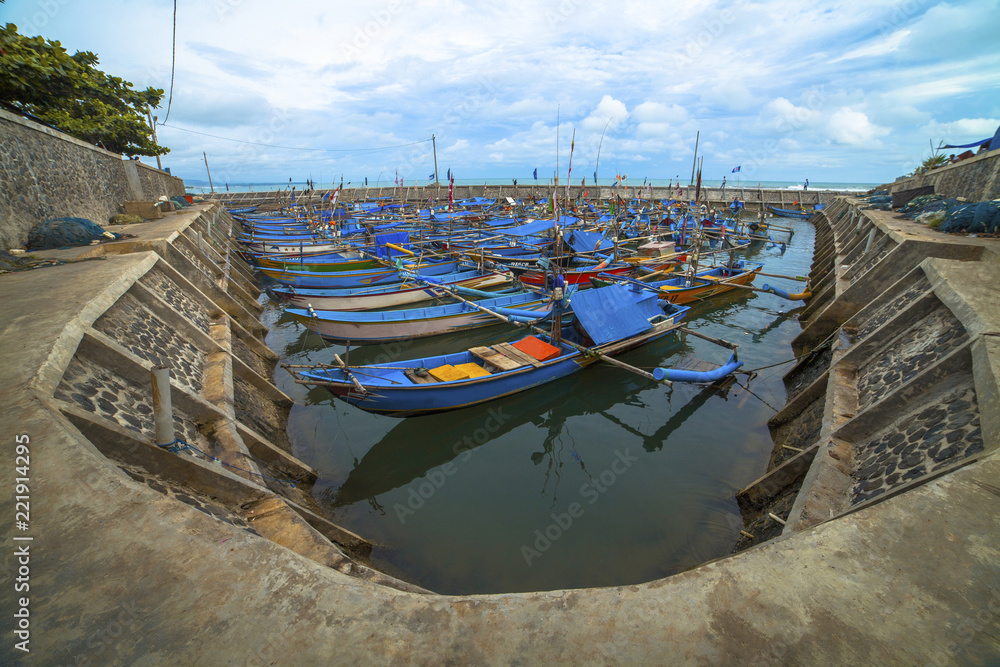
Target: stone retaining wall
x,y
715,197
885,395
976,178
45,173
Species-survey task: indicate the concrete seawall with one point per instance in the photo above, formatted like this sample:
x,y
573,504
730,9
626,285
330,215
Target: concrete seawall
x,y
45,173
753,198
886,551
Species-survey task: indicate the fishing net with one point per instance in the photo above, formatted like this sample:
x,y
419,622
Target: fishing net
x,y
987,217
64,232
959,219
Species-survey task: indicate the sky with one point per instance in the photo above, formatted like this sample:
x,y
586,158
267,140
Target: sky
x,y
849,92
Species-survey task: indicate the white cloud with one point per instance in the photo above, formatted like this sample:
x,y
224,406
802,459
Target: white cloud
x,y
610,113
781,115
487,80
973,129
853,127
657,112
877,47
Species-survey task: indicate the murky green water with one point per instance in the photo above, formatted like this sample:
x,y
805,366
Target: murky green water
x,y
594,480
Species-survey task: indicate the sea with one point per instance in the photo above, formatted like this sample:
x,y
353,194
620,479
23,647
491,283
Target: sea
x,y
602,478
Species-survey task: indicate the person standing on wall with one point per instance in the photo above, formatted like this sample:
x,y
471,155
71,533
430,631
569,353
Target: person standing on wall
x,y
806,185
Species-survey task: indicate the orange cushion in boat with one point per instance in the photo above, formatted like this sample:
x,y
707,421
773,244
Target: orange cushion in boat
x,y
537,348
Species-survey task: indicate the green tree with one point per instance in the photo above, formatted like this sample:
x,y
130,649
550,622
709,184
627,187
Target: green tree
x,y
40,78
933,162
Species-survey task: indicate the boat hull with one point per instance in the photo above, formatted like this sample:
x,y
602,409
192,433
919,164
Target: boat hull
x,y
384,296
367,328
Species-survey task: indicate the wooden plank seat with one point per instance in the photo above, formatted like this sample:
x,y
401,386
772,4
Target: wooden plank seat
x,y
497,358
419,376
512,352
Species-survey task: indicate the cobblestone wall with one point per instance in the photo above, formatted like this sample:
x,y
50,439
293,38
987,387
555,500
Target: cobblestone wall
x,y
904,358
170,292
99,390
927,439
892,308
45,173
148,337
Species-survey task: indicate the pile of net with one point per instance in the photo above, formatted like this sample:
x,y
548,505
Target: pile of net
x,y
880,202
65,232
979,218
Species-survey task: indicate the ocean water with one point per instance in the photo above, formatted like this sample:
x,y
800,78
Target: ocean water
x,y
599,479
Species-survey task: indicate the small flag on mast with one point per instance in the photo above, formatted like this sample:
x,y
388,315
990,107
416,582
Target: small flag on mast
x,y
736,170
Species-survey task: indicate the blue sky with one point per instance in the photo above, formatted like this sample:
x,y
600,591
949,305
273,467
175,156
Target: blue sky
x,y
845,92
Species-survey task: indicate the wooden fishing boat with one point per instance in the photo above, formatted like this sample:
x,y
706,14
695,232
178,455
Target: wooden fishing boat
x,y
377,276
607,321
385,296
366,327
705,284
271,246
574,276
787,213
316,264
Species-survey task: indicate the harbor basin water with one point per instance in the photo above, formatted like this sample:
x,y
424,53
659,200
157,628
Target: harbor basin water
x,y
599,479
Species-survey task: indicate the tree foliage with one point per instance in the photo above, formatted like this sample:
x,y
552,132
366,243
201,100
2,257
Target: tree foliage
x,y
933,162
40,78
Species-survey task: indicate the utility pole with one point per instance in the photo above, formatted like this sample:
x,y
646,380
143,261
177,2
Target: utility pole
x,y
434,143
211,187
695,164
152,126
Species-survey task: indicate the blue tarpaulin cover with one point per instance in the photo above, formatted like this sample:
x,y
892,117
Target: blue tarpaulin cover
x,y
531,228
401,239
588,241
608,314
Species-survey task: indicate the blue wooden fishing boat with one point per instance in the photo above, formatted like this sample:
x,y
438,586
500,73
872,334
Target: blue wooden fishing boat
x,y
385,296
358,278
327,261
365,327
706,283
606,322
788,213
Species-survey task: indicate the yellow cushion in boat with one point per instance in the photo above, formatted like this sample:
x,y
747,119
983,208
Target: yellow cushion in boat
x,y
472,370
448,373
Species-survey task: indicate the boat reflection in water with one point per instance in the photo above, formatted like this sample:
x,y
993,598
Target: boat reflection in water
x,y
396,460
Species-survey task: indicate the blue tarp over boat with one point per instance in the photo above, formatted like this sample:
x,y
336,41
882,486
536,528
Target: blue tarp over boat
x,y
609,313
588,241
401,239
532,228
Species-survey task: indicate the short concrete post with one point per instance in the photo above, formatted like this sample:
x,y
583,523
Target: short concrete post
x,y
871,238
163,410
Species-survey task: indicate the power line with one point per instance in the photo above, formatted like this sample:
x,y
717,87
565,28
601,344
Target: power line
x,y
173,59
297,148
